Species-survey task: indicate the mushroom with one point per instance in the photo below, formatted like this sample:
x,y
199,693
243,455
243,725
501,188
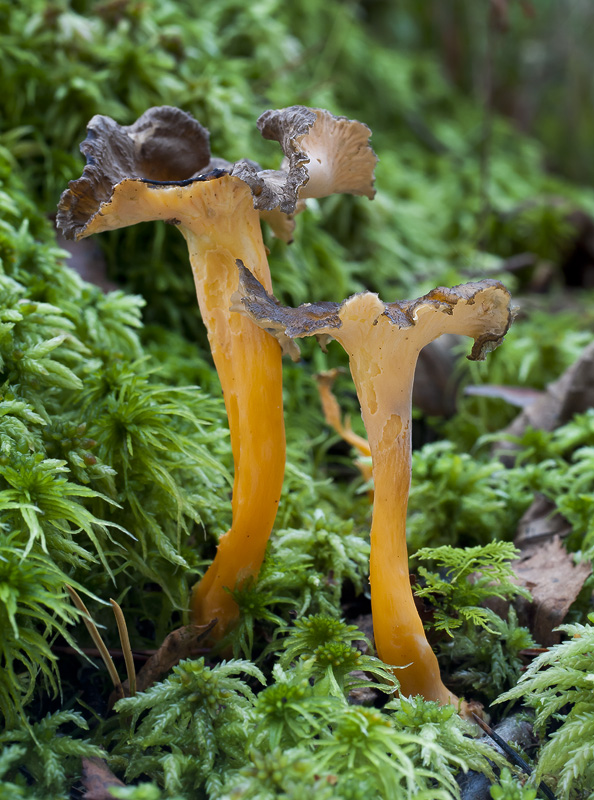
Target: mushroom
x,y
161,168
383,341
331,409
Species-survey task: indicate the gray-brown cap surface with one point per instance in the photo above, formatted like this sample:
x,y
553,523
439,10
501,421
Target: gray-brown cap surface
x,y
487,324
324,154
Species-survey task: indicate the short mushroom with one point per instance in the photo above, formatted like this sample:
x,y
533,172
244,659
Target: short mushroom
x,y
161,168
331,409
383,341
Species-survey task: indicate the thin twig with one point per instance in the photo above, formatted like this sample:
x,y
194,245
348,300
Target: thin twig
x,y
125,642
512,755
96,637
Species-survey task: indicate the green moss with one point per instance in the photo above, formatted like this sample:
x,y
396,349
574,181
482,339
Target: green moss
x,y
114,454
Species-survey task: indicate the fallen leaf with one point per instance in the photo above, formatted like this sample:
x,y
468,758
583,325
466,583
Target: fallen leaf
x,y
177,645
571,394
514,395
554,580
541,521
98,779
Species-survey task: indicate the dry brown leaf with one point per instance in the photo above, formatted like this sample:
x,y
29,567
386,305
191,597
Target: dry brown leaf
x,y
571,394
98,779
514,395
177,645
548,571
540,522
181,643
554,580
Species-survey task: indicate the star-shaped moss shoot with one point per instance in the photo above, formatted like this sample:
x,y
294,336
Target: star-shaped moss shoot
x,y
383,341
160,168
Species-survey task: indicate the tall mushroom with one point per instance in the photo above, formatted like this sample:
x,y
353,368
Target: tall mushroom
x,y
383,341
161,168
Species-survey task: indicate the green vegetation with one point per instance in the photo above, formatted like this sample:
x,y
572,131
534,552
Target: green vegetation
x,y
558,686
115,461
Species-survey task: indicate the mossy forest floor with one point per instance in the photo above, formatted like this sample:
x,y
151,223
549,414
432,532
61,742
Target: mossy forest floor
x,y
115,462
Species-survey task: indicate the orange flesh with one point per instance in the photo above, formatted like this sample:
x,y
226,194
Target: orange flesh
x,y
220,225
331,411
248,362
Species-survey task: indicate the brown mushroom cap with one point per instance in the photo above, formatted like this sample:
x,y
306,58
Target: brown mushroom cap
x,y
166,146
334,151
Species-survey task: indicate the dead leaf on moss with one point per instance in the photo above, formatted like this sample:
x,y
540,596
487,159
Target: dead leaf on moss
x,y
540,522
98,779
571,394
177,645
554,580
181,643
520,396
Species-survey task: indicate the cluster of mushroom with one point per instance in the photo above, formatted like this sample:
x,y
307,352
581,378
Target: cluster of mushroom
x,y
161,168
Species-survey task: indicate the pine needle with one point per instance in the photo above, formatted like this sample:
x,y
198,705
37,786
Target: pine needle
x,y
99,643
126,649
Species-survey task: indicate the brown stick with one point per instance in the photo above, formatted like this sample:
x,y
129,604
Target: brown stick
x,y
96,637
125,641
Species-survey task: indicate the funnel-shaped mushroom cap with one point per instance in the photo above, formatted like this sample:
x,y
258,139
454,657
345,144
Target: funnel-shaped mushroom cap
x,y
324,155
132,169
333,151
480,310
165,144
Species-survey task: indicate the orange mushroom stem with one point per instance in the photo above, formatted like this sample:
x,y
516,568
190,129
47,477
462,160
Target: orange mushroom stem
x,y
331,409
160,168
383,341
